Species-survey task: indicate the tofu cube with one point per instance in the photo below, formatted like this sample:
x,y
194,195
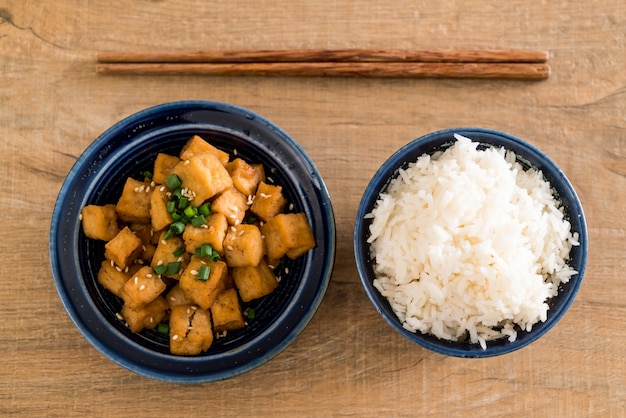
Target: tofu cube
x,y
190,330
197,145
159,216
268,201
124,248
232,203
254,282
164,254
213,232
204,175
203,292
145,316
243,245
111,277
134,203
163,166
176,297
142,288
246,177
226,312
99,222
287,234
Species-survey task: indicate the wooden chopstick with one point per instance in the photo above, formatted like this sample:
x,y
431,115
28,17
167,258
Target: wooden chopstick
x,y
465,63
525,71
325,55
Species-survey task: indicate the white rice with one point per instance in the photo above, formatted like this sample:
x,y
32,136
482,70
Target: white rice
x,y
467,245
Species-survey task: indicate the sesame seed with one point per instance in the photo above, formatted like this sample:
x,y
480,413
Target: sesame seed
x,y
160,263
139,261
151,320
271,266
194,272
235,151
180,258
232,228
234,209
143,286
193,308
204,226
147,189
136,279
80,217
152,184
203,262
162,188
265,196
112,263
126,269
143,247
174,337
188,311
118,269
136,189
186,162
119,316
240,233
172,298
286,270
291,206
229,247
163,242
233,216
269,179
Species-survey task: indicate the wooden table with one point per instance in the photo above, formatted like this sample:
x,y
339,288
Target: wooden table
x,y
348,361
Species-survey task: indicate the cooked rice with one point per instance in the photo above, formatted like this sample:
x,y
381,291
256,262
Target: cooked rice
x,y
466,244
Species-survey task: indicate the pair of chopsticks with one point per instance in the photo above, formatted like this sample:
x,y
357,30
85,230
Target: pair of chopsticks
x,y
504,64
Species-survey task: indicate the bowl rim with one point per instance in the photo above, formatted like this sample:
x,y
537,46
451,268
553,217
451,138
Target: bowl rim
x,y
59,250
379,182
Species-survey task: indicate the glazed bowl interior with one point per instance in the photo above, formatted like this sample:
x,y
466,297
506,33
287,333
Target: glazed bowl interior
x,y
528,156
129,148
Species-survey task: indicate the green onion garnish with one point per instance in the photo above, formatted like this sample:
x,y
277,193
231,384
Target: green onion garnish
x,y
169,234
163,328
159,270
250,314
171,206
198,221
183,202
147,174
203,273
177,194
173,268
177,227
251,219
204,209
179,252
190,211
173,181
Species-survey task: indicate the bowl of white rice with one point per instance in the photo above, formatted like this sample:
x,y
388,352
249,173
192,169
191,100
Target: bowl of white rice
x,y
470,242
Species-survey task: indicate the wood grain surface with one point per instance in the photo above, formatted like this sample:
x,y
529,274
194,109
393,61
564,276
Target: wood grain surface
x,y
348,361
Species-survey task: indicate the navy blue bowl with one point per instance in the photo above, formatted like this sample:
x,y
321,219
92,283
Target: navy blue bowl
x,y
528,156
129,148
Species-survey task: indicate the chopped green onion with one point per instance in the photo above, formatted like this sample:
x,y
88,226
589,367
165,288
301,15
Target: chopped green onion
x,y
177,194
214,256
190,211
251,219
173,268
176,216
177,227
204,250
198,221
163,328
147,174
159,270
171,206
250,314
204,209
169,234
183,202
173,181
203,273
179,252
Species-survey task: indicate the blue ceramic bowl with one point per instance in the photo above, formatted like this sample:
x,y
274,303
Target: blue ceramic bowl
x,y
130,147
528,156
